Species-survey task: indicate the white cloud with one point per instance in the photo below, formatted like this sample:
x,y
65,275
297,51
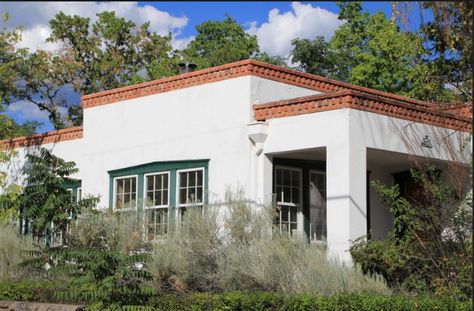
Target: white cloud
x,y
181,43
303,21
27,111
34,17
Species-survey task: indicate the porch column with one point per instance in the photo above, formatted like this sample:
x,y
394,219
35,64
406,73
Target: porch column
x,y
346,194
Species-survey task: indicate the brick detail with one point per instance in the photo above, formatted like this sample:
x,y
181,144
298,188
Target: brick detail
x,y
228,71
41,139
365,102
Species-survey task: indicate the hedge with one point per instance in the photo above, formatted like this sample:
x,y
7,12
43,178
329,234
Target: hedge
x,y
255,301
237,301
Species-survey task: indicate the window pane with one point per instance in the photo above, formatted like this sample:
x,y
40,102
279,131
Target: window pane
x,y
199,194
278,193
284,213
295,178
165,197
119,186
165,181
127,185
159,183
295,196
118,201
158,198
293,214
192,195
149,198
183,179
293,227
279,177
182,196
134,184
192,179
199,178
126,199
286,177
286,194
149,183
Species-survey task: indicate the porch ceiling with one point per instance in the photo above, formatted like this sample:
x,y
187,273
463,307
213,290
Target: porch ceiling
x,y
303,154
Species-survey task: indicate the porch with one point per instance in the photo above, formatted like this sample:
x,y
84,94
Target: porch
x,y
331,201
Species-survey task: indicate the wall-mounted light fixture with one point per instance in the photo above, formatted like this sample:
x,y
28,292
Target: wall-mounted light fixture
x,y
426,142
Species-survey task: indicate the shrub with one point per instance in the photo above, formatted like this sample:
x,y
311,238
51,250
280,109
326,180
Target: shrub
x,y
12,246
240,252
103,262
30,290
429,249
260,301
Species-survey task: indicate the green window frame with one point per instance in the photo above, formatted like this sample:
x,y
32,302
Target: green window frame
x,y
172,168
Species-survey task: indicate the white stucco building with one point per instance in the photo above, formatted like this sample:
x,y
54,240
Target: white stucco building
x,y
309,143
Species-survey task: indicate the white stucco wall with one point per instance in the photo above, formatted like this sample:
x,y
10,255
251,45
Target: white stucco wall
x,y
346,134
202,122
70,150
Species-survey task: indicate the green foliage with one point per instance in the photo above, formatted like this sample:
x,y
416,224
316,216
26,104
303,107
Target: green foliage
x,y
240,252
11,253
429,248
372,51
316,57
9,128
260,301
220,42
449,37
9,192
29,290
109,53
104,261
46,200
270,59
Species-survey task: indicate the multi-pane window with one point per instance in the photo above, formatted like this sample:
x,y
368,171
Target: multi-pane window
x,y
156,196
157,187
125,192
288,196
157,223
190,189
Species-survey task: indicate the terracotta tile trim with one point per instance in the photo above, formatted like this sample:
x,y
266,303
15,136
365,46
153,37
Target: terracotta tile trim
x,y
228,71
361,101
41,139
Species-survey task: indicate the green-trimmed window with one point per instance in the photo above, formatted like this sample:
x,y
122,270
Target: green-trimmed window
x,y
125,195
162,190
190,189
157,204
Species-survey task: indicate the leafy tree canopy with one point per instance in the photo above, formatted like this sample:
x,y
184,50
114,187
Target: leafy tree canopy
x,y
109,53
220,42
372,51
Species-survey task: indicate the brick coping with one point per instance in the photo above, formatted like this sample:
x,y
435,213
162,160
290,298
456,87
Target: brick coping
x,y
40,139
228,71
432,115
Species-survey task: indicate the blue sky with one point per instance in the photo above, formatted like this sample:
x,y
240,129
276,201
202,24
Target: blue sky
x,y
274,23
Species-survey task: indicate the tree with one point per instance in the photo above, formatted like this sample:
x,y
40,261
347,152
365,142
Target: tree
x,y
9,192
316,57
449,38
372,51
9,128
112,52
220,42
45,199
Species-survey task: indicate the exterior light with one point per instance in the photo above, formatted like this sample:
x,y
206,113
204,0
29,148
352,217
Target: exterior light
x,y
426,142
